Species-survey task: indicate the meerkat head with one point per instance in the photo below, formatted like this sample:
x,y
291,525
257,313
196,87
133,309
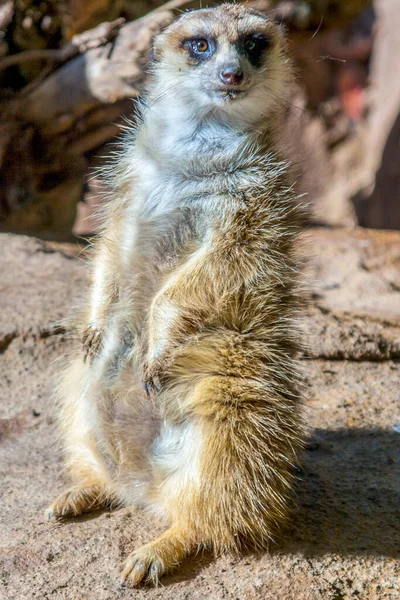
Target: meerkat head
x,y
231,58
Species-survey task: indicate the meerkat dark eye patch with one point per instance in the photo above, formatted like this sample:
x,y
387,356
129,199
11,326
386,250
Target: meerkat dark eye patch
x,y
200,48
253,46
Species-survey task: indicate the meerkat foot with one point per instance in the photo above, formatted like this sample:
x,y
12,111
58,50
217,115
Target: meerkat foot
x,y
91,342
163,555
78,500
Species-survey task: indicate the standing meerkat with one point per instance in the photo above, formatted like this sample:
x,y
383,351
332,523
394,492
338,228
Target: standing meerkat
x,y
186,401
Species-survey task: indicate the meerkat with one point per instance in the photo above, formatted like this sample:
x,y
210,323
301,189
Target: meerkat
x,y
186,398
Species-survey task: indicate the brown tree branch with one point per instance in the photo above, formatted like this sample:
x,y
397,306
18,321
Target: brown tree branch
x,y
98,36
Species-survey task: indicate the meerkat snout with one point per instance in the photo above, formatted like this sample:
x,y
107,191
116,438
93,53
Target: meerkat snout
x,y
231,74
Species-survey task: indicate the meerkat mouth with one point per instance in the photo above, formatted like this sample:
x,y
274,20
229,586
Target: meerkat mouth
x,y
230,94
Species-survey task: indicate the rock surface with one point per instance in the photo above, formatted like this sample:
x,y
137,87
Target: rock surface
x,y
344,541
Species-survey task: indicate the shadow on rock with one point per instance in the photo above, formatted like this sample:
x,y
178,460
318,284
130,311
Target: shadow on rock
x,y
190,568
349,495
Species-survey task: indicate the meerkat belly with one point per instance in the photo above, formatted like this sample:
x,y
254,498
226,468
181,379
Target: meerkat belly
x,y
175,456
161,228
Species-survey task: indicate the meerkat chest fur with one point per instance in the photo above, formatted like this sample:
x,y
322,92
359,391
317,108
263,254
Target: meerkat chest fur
x,y
192,176
204,134
192,161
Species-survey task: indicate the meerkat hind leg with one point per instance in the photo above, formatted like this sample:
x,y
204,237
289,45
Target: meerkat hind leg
x,y
79,499
160,556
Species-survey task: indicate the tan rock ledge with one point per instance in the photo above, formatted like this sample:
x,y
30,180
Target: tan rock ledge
x,y
344,542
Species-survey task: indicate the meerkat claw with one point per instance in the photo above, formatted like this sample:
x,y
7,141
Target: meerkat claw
x,y
138,570
91,342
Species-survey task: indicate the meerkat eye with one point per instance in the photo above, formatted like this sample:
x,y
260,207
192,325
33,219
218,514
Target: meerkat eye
x,y
200,45
254,45
199,48
249,45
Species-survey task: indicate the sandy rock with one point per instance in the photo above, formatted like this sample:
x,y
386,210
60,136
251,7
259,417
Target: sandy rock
x,y
344,541
354,280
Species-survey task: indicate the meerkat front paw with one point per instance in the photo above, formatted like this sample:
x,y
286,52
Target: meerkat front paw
x,y
157,558
78,500
151,377
143,565
91,342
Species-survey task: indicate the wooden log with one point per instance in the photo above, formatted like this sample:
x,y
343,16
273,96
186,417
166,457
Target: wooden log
x,y
78,16
80,43
6,14
73,111
102,75
74,106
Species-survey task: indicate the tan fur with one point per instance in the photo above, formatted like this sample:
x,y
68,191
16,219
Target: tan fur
x,y
186,399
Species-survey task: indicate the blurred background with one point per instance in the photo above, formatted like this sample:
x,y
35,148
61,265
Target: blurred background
x,y
69,70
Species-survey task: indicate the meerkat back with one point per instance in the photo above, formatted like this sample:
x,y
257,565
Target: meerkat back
x,y
194,305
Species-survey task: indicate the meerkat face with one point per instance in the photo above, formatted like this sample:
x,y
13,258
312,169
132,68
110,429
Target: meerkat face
x,y
229,57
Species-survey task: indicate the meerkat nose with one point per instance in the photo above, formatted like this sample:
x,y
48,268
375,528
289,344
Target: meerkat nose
x,y
231,75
